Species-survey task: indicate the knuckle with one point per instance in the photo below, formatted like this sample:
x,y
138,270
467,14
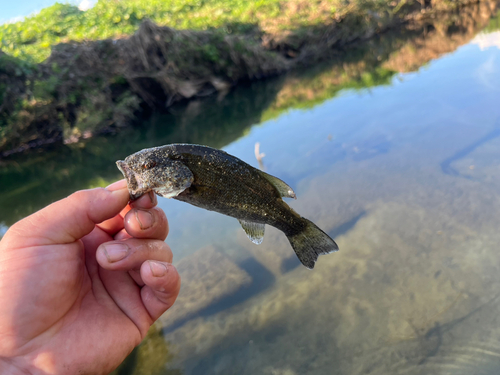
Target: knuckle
x,y
88,195
152,247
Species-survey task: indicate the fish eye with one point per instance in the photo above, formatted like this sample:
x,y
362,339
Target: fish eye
x,y
149,164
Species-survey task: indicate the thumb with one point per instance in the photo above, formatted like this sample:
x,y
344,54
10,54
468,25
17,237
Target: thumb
x,y
74,217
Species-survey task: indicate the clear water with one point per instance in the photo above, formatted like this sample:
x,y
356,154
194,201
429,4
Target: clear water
x,y
394,151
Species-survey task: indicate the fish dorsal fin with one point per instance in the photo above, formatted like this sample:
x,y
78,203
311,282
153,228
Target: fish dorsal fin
x,y
254,231
282,187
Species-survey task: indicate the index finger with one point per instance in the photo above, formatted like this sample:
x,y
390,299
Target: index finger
x,y
116,224
146,201
72,218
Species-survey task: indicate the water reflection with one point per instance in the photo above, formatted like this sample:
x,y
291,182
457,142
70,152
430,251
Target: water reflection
x,y
32,181
381,161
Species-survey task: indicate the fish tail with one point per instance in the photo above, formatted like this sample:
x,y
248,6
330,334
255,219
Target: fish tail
x,y
311,242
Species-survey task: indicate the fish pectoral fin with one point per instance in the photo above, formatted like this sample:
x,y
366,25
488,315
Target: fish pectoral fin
x,y
169,192
254,231
282,187
179,178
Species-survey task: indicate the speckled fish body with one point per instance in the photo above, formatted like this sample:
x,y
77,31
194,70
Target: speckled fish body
x,y
214,180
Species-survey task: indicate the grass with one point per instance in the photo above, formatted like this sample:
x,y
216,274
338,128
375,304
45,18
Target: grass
x,y
33,38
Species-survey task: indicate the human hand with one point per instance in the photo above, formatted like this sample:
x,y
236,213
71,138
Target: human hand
x,y
81,282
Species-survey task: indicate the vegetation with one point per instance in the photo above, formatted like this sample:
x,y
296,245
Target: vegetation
x,y
33,38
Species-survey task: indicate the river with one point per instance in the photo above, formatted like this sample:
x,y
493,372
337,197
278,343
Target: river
x,y
394,150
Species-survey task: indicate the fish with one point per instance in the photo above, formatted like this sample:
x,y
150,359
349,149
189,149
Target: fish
x,y
217,181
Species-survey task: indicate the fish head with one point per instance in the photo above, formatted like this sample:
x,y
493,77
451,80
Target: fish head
x,y
155,169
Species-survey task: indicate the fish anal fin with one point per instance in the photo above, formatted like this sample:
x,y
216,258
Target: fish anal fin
x,y
282,187
254,231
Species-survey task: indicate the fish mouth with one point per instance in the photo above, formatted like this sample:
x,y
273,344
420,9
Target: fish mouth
x,y
135,183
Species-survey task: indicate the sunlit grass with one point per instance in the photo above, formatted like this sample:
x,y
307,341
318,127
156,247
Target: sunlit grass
x,y
33,38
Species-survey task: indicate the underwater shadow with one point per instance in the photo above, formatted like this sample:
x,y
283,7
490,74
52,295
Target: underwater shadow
x,y
262,279
446,164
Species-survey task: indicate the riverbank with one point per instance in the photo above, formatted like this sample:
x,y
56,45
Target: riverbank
x,y
94,87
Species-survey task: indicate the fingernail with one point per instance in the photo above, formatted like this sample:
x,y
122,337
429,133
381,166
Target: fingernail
x,y
115,252
118,185
154,200
157,269
144,218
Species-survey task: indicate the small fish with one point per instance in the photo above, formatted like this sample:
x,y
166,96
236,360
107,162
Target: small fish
x,y
216,181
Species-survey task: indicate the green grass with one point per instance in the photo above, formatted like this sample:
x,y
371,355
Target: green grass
x,y
32,38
